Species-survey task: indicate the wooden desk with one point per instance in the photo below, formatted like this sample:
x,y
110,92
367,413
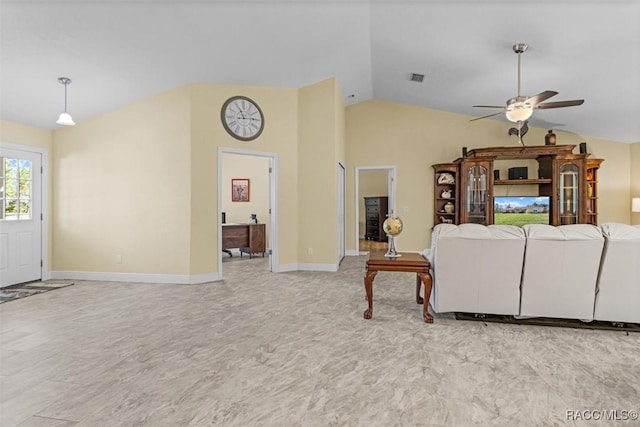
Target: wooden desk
x,y
249,236
408,262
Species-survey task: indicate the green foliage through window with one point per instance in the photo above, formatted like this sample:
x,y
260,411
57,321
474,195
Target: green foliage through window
x,y
15,189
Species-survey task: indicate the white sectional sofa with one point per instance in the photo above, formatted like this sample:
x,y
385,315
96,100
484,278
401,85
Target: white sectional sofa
x,y
476,268
560,271
572,272
618,297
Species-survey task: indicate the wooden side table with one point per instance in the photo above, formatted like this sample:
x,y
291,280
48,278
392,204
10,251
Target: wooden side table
x,y
408,262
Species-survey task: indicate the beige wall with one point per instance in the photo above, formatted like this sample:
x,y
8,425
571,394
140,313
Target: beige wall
x,y
319,145
141,181
371,183
17,133
340,124
256,169
280,108
413,138
614,177
151,181
635,178
340,129
122,187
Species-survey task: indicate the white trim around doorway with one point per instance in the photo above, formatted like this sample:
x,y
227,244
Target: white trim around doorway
x,y
45,272
391,179
272,248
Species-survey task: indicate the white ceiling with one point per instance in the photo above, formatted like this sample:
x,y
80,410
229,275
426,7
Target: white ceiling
x,y
119,51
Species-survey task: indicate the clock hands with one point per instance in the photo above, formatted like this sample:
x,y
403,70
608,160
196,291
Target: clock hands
x,y
242,118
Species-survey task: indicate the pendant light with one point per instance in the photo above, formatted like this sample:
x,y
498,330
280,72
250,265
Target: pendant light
x,y
65,118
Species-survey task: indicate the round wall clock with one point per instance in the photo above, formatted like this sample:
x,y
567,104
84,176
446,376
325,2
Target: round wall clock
x,y
242,118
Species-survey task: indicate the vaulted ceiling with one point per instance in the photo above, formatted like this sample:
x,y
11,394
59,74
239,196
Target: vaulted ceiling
x,y
119,51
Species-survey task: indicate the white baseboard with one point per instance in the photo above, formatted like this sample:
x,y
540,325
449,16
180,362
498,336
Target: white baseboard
x,y
204,278
317,267
179,278
351,252
283,268
136,277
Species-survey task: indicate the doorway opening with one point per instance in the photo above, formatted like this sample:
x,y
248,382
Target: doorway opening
x,y
247,209
377,185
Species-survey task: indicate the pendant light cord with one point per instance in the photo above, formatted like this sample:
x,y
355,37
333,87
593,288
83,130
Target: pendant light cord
x,y
65,97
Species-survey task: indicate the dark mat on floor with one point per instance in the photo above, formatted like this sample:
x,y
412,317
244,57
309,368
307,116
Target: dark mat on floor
x,y
547,321
22,290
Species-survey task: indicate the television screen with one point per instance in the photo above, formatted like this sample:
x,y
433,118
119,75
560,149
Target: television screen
x,y
521,210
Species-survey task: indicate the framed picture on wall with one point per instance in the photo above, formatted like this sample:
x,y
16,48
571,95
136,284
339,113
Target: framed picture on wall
x,y
240,190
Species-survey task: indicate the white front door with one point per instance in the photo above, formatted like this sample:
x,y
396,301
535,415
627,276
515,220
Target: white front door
x,y
20,216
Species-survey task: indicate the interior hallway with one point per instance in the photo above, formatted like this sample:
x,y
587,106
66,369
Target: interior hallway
x,y
366,245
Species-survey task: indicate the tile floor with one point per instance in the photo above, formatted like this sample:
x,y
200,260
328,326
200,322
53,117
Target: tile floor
x,y
293,349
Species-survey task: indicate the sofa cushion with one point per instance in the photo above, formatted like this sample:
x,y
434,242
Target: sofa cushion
x,y
572,232
560,270
476,268
618,294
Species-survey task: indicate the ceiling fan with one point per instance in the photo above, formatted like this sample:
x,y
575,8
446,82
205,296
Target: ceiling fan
x,y
520,108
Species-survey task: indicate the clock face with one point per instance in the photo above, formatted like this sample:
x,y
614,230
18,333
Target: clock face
x,y
242,118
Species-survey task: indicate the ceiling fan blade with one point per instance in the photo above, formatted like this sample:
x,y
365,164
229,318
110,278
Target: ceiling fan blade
x,y
484,117
488,106
560,104
542,96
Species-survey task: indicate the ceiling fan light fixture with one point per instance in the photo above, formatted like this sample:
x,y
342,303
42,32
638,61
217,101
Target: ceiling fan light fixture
x,y
520,108
65,118
519,114
518,111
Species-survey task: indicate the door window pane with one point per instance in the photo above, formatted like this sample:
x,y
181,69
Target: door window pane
x,y
24,168
16,185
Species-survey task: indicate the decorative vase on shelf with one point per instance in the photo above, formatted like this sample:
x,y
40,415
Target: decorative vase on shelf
x,y
449,207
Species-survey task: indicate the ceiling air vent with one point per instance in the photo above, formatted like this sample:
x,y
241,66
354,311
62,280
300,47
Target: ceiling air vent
x,y
417,77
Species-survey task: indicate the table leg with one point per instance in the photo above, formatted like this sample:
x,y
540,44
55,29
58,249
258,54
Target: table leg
x,y
419,299
368,288
428,283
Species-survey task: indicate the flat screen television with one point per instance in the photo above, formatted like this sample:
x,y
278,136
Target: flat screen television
x,y
521,210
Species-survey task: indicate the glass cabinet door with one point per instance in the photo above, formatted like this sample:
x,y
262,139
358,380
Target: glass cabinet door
x,y
476,195
568,200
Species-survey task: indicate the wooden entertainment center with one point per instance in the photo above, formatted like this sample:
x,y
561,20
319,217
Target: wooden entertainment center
x,y
464,189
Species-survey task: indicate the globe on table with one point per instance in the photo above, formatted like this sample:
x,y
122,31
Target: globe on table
x,y
392,226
